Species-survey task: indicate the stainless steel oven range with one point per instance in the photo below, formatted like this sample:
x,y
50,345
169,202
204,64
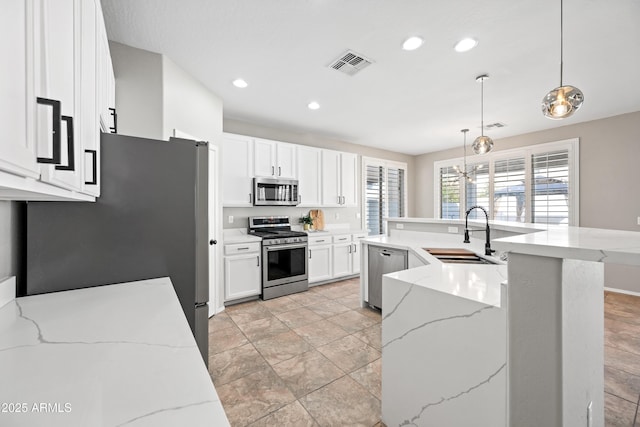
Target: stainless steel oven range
x,y
284,256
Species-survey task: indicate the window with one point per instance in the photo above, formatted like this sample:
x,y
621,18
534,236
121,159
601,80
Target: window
x,y
385,187
532,184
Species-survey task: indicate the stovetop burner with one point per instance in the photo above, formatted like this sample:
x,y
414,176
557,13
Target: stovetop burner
x,y
275,227
267,234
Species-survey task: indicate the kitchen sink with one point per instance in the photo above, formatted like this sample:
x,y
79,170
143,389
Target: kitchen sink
x,y
458,256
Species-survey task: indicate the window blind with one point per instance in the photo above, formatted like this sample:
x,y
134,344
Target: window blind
x,y
374,199
395,192
477,191
449,193
509,193
550,187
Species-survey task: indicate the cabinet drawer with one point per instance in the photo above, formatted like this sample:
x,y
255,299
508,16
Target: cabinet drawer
x,y
342,238
319,240
241,248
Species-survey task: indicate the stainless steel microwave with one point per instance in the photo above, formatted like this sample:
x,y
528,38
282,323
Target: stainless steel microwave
x,y
275,192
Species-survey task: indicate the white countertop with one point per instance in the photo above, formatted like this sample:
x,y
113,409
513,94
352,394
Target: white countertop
x,y
480,283
515,227
110,356
589,244
238,235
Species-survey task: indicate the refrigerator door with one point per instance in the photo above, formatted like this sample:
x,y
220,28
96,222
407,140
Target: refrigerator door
x,y
146,224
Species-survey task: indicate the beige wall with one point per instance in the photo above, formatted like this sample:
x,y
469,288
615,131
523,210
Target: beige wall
x,y
332,215
609,156
154,96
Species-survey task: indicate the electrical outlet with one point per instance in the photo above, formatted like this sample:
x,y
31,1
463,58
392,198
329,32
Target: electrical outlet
x,y
453,229
399,226
230,219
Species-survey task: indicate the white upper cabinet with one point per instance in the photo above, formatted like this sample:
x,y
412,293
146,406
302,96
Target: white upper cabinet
x,y
17,145
309,164
237,170
339,179
49,96
274,159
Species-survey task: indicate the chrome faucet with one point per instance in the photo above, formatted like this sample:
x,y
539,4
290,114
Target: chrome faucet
x,y
487,244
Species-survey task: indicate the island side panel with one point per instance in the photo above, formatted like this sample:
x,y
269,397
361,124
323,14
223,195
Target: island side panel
x,y
443,358
555,311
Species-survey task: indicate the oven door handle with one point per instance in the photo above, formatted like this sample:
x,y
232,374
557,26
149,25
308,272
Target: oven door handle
x,y
281,247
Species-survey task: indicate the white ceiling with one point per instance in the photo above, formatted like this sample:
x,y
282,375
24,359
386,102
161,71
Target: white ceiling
x,y
410,102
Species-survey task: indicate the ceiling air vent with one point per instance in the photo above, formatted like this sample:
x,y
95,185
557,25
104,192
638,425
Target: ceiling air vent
x,y
495,125
350,63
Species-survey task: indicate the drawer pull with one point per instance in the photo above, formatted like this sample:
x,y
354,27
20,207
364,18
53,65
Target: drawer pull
x,y
243,249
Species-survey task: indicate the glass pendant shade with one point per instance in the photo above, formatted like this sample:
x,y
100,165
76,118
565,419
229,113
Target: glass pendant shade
x,y
562,102
482,144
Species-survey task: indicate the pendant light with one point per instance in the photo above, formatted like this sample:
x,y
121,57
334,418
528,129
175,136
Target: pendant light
x,y
464,173
482,144
562,101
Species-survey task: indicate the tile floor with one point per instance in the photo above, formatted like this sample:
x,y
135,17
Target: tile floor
x,y
313,359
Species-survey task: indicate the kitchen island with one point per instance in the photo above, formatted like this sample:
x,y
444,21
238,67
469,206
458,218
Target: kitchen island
x,y
549,318
111,355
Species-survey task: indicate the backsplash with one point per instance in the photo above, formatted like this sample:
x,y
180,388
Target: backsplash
x,y
241,215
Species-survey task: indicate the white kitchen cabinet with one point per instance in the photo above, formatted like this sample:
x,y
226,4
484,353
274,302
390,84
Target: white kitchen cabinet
x,y
309,164
17,145
320,262
51,87
339,179
242,271
237,170
356,252
274,159
342,261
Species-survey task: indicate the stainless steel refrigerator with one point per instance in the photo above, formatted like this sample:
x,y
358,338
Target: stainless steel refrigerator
x,y
150,221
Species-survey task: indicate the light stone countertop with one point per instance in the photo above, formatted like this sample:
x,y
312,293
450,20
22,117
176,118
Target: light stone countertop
x,y
238,235
111,356
480,283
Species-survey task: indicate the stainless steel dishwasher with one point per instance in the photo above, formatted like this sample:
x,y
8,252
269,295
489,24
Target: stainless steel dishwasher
x,y
383,260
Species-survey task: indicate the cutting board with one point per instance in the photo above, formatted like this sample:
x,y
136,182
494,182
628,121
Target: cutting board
x,y
318,218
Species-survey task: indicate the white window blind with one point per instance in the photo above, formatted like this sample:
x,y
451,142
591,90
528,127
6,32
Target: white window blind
x,y
449,193
550,187
509,195
477,191
374,198
395,192
384,184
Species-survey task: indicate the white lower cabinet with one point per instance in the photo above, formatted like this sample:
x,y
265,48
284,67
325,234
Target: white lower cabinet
x,y
242,271
332,257
320,259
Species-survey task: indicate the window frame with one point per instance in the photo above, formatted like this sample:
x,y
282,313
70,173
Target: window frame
x,y
572,145
386,164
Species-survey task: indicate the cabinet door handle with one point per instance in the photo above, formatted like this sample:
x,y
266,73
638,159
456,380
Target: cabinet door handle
x,y
350,248
55,133
94,165
114,114
355,248
249,197
71,160
279,171
273,170
319,241
309,253
258,257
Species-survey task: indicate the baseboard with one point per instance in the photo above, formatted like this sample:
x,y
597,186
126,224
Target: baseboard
x,y
622,291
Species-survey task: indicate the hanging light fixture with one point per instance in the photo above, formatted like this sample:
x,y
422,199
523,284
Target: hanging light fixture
x,y
464,173
562,101
482,144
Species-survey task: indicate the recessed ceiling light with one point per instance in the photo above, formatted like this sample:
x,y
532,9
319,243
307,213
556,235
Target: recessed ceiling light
x,y
412,43
313,105
466,44
240,83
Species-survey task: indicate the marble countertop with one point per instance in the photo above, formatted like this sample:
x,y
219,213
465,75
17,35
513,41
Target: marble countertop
x,y
238,235
589,244
480,283
110,355
515,227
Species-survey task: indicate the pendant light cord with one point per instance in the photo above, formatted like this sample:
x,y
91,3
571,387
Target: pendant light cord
x,y
482,106
561,40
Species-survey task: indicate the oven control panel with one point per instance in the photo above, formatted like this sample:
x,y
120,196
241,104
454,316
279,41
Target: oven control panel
x,y
284,241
